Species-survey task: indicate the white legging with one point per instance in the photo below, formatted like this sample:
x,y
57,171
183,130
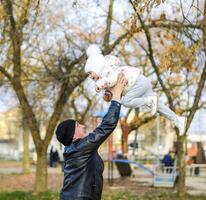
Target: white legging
x,y
136,97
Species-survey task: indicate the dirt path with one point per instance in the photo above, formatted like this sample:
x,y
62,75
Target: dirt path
x,y
11,179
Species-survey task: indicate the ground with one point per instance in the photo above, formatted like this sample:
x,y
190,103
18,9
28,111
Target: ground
x,y
16,186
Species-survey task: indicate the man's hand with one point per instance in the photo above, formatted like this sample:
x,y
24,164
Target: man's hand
x,y
119,87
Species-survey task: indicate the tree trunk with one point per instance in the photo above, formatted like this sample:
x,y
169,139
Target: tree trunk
x,y
15,27
124,128
41,170
181,164
26,161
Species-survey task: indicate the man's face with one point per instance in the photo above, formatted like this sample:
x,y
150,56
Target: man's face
x,y
93,76
79,131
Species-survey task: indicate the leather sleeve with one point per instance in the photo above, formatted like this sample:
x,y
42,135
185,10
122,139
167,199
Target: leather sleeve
x,y
102,132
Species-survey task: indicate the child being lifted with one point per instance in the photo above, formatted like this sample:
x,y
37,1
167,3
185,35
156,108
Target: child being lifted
x,y
138,92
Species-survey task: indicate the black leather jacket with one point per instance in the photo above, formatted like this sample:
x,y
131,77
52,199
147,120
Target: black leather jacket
x,y
83,166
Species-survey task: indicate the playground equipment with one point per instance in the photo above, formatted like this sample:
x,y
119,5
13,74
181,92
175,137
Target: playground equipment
x,y
135,164
162,176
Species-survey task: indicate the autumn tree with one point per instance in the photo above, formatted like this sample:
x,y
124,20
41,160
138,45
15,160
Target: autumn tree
x,y
44,75
173,55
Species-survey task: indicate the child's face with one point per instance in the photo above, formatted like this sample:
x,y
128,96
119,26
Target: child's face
x,y
93,76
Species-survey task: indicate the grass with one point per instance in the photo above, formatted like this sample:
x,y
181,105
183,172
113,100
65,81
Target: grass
x,y
20,195
52,195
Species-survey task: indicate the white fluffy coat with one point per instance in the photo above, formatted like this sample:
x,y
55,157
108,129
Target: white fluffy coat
x,y
109,74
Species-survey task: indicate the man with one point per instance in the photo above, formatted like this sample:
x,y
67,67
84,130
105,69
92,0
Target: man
x,y
83,167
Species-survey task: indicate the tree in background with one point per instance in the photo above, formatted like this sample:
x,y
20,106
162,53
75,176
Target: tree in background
x,y
42,56
42,76
180,58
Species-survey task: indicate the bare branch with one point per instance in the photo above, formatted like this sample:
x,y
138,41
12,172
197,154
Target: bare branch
x,y
15,38
23,20
108,27
5,73
202,78
152,60
137,122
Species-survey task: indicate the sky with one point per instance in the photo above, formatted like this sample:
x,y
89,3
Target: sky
x,y
7,98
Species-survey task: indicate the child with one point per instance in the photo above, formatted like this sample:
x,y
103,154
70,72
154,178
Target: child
x,y
137,93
